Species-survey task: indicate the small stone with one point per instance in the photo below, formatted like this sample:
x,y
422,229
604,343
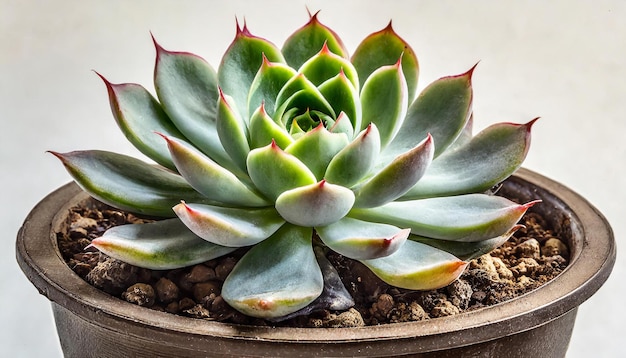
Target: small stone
x,y
495,269
409,313
503,271
459,293
224,268
444,308
166,290
186,303
204,289
84,223
525,266
200,273
554,247
382,307
529,248
114,276
197,311
140,294
172,307
347,319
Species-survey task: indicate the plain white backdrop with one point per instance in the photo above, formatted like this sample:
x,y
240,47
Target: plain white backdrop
x,y
560,60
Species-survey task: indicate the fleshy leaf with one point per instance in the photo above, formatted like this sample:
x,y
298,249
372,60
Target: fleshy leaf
x,y
138,115
397,177
300,93
362,240
354,161
305,42
232,131
442,109
417,267
468,218
384,101
186,85
334,297
161,245
128,183
342,124
384,48
317,148
267,84
467,250
343,97
240,64
210,179
489,158
313,205
326,65
273,171
231,227
277,276
263,129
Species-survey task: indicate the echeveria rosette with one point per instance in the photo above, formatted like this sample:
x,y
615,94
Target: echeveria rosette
x,y
280,147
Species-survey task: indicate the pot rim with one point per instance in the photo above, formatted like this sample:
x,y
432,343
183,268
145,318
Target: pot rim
x,y
590,265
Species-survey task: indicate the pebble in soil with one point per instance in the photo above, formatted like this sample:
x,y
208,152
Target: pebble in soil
x,y
533,256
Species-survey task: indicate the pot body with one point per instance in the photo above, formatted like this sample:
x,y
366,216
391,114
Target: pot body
x,y
91,323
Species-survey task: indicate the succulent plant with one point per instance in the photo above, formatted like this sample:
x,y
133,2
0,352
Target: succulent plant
x,y
295,151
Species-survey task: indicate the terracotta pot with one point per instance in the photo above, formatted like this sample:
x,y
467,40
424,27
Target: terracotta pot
x,y
91,323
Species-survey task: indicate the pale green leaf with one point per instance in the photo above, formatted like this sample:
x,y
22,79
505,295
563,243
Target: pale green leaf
x,y
128,183
210,179
468,218
313,205
161,245
417,266
232,227
362,240
277,276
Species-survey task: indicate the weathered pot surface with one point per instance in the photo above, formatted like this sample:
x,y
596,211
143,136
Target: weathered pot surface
x,y
91,323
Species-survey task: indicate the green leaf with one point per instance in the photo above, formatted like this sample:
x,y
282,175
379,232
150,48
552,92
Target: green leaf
x,y
467,218
326,65
210,179
417,266
263,129
356,160
313,205
240,64
273,171
397,177
384,101
343,125
382,48
232,131
161,245
308,40
139,115
489,158
187,88
467,250
362,240
277,276
442,109
266,85
317,148
231,227
128,183
343,97
300,93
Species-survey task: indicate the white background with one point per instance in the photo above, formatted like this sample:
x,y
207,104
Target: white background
x,y
560,60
